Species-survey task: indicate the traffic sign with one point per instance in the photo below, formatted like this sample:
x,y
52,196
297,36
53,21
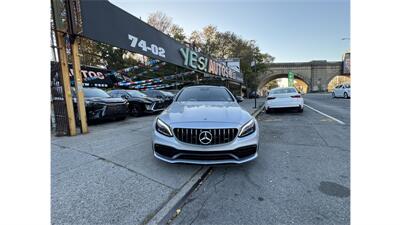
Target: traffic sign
x,y
290,79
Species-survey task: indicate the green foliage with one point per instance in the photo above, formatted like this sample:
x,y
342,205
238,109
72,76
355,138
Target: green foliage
x,y
95,54
227,44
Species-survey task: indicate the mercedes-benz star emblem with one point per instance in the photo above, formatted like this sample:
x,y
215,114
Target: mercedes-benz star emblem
x,y
205,137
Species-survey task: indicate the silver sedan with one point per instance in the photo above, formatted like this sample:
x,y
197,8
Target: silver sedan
x,y
205,125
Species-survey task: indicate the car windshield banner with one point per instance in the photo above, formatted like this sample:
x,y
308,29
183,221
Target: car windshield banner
x,y
104,22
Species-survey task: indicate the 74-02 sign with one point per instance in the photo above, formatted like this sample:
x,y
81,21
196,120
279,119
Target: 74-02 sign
x,y
154,49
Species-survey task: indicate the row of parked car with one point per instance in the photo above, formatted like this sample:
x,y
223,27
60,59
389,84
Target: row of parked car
x,y
118,104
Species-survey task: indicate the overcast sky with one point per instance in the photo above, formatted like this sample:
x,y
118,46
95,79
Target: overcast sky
x,y
289,30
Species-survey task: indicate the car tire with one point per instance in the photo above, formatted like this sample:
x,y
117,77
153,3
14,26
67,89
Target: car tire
x,y
345,95
121,118
268,110
300,110
333,95
136,110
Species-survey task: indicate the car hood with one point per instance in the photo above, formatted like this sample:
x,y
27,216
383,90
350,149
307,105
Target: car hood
x,y
205,114
146,99
105,100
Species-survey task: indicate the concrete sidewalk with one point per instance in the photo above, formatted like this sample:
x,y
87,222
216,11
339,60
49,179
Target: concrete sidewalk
x,y
248,104
109,176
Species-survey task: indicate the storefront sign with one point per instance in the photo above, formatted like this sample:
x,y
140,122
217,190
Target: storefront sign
x,y
92,76
104,22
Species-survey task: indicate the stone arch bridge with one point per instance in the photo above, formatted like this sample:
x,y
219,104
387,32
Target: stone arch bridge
x,y
316,74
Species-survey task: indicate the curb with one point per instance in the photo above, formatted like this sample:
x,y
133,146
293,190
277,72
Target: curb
x,y
258,111
169,209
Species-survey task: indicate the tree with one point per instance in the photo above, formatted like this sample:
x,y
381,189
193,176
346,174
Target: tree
x,y
160,21
177,33
164,23
99,54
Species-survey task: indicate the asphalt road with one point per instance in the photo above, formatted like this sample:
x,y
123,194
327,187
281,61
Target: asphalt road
x,y
110,176
302,174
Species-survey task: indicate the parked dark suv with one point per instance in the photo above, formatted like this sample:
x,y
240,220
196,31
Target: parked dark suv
x,y
99,105
139,103
166,96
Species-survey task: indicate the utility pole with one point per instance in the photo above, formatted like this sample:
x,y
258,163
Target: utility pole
x,y
78,85
66,83
255,91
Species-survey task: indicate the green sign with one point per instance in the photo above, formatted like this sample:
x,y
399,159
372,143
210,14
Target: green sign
x,y
290,79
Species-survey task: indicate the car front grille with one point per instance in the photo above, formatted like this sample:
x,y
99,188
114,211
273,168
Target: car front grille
x,y
159,105
193,136
116,109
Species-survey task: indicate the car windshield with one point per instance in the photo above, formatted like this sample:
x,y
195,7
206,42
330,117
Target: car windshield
x,y
167,93
205,94
283,91
95,92
151,93
138,94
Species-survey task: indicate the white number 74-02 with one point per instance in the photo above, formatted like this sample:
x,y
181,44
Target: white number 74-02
x,y
133,39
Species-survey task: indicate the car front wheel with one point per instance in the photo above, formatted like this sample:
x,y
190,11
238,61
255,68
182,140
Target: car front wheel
x,y
346,95
136,110
300,109
333,95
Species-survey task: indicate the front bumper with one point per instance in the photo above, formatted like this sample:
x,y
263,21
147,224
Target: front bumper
x,y
107,113
154,107
240,150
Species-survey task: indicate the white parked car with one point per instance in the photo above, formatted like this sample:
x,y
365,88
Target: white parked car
x,y
284,98
342,90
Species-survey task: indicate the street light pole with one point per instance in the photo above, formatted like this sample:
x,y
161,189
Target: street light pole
x,y
255,91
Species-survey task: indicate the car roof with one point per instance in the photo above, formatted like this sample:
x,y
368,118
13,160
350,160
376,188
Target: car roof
x,y
202,86
279,88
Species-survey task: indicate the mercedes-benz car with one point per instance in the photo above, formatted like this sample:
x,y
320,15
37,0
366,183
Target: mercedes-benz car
x,y
205,125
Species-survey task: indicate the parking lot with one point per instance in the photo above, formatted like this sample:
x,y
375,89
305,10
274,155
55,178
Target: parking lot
x,y
110,176
302,174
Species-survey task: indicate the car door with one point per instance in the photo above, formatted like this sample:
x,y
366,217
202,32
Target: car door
x,y
344,88
336,90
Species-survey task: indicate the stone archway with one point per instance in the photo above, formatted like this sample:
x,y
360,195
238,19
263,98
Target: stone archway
x,y
341,78
269,77
333,76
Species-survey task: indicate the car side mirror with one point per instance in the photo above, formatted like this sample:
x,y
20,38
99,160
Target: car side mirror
x,y
238,99
124,96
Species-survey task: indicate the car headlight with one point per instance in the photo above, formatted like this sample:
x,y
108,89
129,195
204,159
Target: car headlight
x,y
148,106
163,128
248,128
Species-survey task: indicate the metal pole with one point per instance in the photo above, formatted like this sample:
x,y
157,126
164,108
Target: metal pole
x,y
255,91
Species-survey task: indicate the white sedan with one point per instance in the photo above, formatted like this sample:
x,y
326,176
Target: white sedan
x,y
284,98
342,90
